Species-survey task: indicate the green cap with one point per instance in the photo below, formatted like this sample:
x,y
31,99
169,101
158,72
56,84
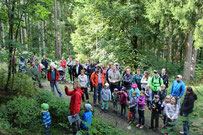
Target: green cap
x,y
45,106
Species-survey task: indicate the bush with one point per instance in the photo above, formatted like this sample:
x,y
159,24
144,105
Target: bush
x,y
44,96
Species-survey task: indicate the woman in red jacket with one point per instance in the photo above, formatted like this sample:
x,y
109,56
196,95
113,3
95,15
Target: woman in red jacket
x,y
75,103
63,63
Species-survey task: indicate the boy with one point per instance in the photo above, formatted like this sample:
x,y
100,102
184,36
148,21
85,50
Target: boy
x,y
106,97
86,117
46,118
115,98
155,112
132,106
162,93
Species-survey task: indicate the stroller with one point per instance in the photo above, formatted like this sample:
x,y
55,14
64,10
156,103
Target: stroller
x,y
62,73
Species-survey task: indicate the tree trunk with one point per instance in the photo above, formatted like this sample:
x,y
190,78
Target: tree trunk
x,y
24,28
3,34
39,39
168,49
194,59
56,30
60,35
43,37
187,64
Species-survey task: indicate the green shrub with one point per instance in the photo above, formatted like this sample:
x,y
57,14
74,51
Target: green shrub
x,y
44,96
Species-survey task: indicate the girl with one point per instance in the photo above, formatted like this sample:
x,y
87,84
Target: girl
x,y
148,94
132,106
134,89
163,107
162,93
141,109
83,80
116,99
106,97
145,80
123,100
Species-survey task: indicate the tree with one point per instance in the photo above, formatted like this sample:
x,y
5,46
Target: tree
x,y
56,30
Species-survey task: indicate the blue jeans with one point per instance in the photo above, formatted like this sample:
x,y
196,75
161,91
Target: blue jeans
x,y
97,92
47,130
56,84
186,127
141,117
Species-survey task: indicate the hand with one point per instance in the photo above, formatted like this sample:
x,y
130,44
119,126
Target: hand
x,y
74,116
65,87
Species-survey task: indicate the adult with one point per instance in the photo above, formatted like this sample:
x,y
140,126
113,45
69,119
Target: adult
x,y
137,78
155,83
53,77
118,68
98,80
127,80
90,70
45,63
70,68
37,64
178,89
127,67
22,65
63,63
85,65
34,71
114,79
75,103
104,69
164,76
33,57
83,80
187,108
145,80
108,71
77,69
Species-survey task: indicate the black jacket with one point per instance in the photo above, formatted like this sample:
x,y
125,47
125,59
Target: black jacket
x,y
188,103
156,107
90,69
79,70
165,79
45,63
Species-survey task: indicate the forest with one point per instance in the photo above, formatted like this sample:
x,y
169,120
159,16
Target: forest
x,y
145,34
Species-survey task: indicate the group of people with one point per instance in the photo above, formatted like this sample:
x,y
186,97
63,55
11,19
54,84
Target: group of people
x,y
137,92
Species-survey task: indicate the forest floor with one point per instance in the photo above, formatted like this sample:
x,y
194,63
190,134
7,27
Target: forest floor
x,y
113,118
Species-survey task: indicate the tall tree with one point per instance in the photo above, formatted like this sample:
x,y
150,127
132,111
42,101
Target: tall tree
x,y
43,38
56,29
60,34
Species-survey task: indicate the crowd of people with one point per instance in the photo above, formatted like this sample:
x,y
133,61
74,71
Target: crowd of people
x,y
137,92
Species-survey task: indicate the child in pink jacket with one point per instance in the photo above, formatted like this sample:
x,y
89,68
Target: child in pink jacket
x,y
123,100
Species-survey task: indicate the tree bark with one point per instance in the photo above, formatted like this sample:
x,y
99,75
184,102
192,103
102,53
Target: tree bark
x,y
24,28
56,30
168,49
60,35
187,64
43,38
193,65
39,39
3,32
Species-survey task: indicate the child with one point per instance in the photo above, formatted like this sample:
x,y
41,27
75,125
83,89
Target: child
x,y
156,110
132,106
116,99
141,109
172,110
86,117
148,94
162,93
134,89
46,118
123,100
106,97
163,107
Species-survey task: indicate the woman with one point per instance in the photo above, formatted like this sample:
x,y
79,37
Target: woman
x,y
164,76
83,80
187,108
145,80
63,63
75,103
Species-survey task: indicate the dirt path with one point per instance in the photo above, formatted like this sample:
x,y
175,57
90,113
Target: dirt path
x,y
113,118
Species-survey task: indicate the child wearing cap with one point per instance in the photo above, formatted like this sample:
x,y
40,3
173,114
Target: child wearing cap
x,y
86,117
132,107
115,98
148,94
106,97
134,89
155,112
123,100
46,118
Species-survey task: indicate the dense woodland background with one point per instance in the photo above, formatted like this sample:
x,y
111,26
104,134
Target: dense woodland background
x,y
140,33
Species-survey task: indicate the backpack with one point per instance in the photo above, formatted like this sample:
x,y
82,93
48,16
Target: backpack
x,y
159,80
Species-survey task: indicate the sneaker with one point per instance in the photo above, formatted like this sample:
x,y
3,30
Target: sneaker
x,y
181,132
141,127
137,125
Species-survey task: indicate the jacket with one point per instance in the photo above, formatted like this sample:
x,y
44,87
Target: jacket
x,y
83,80
115,97
134,90
75,102
148,94
49,75
141,103
45,63
156,107
95,79
123,97
114,77
137,79
106,94
90,69
127,81
163,107
79,70
133,102
172,111
188,103
144,82
155,83
86,119
63,64
178,89
165,79
70,65
46,118
162,95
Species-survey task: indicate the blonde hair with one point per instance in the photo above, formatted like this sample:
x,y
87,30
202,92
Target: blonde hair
x,y
148,87
83,71
76,85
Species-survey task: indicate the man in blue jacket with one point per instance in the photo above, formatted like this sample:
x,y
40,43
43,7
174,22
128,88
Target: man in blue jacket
x,y
178,89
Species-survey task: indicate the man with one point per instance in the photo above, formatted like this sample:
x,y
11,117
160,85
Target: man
x,y
155,83
90,70
178,89
45,63
85,66
53,76
164,76
108,71
70,68
137,78
34,71
98,80
114,79
77,69
127,80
